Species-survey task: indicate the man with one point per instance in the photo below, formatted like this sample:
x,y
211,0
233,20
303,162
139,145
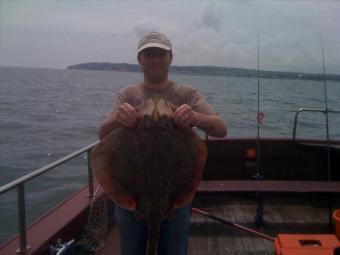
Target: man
x,y
155,57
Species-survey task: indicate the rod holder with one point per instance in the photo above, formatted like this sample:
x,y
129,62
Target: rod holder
x,y
22,220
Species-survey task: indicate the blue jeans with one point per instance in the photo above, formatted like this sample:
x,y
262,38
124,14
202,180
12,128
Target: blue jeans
x,y
173,236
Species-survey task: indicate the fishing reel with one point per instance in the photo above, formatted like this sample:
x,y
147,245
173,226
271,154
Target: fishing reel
x,y
68,248
62,248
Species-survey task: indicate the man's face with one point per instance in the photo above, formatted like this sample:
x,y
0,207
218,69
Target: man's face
x,y
155,63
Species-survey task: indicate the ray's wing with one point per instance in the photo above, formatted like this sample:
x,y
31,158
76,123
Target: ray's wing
x,y
115,161
188,177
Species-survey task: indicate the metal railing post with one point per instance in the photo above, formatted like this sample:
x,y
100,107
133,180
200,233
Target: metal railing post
x,y
90,175
20,182
297,113
295,122
22,220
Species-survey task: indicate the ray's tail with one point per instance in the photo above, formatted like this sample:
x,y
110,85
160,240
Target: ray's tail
x,y
153,235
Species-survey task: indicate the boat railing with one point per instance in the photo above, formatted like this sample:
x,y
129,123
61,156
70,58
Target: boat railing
x,y
317,110
19,184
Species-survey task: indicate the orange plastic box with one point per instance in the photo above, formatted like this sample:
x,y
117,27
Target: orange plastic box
x,y
298,244
336,218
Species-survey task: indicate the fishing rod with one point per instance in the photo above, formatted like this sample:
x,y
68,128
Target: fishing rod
x,y
258,107
326,111
327,129
233,224
260,115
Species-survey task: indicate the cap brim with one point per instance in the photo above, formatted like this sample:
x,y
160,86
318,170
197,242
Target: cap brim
x,y
154,45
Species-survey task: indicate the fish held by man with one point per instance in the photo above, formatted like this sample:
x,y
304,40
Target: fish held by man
x,y
152,168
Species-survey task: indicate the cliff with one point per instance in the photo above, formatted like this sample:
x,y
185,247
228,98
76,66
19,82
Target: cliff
x,y
209,70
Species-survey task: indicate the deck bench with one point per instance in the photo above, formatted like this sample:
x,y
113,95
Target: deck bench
x,y
219,187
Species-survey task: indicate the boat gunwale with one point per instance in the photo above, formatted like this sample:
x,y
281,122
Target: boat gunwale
x,y
15,239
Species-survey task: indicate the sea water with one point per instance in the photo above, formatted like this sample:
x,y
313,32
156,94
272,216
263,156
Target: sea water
x,y
46,114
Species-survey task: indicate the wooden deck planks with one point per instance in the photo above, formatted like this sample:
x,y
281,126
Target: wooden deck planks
x,y
282,214
198,236
225,239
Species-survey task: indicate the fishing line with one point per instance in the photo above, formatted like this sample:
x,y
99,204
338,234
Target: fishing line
x,y
326,111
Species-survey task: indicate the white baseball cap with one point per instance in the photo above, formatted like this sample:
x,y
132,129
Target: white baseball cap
x,y
154,40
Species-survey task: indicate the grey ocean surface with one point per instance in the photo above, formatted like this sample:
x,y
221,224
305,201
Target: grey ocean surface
x,y
47,114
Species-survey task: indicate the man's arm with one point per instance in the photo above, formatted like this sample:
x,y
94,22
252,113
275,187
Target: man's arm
x,y
107,125
125,115
213,125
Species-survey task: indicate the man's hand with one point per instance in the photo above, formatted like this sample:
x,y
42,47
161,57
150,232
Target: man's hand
x,y
185,116
213,125
127,115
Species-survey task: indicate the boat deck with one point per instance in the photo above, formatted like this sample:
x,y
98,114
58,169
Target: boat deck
x,y
282,214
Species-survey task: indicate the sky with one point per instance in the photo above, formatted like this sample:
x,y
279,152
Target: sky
x,y
56,34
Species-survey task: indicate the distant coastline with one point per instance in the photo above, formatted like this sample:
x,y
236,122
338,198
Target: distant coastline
x,y
209,70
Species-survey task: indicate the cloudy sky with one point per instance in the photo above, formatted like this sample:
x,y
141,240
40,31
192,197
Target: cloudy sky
x,y
56,34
